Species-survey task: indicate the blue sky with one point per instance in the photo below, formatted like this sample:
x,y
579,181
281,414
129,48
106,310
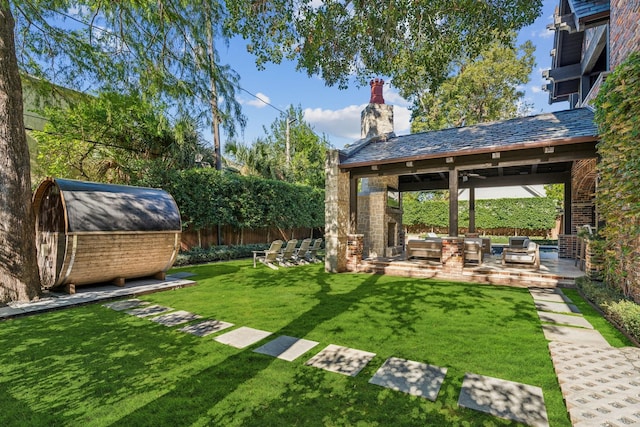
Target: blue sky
x,y
336,113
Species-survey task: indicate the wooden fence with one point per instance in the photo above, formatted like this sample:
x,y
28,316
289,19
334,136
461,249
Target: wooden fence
x,y
229,235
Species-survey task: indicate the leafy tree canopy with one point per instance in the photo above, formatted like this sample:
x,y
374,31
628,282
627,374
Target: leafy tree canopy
x,y
111,137
267,156
164,50
166,47
413,42
482,88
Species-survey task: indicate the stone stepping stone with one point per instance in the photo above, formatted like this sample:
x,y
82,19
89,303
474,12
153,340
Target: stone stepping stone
x,y
564,319
148,311
558,307
176,318
126,304
552,295
574,335
415,378
342,360
242,337
505,399
207,327
286,348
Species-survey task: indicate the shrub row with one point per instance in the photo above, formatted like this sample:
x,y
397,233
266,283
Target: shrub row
x,y
217,253
207,197
612,302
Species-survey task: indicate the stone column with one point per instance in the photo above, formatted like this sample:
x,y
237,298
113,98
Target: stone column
x,y
336,214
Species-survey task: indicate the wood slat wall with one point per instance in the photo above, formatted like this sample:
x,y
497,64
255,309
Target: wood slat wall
x,y
93,258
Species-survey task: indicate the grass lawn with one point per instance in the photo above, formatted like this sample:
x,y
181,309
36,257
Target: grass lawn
x,y
94,366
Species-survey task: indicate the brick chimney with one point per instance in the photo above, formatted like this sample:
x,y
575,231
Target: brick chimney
x,y
376,119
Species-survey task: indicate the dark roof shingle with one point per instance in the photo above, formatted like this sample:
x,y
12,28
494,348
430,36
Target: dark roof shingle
x,y
586,8
546,127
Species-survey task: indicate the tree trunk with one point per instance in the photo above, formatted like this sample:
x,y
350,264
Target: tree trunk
x,y
19,276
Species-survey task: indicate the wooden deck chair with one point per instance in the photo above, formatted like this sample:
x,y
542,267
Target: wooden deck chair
x,y
303,251
286,256
270,256
312,255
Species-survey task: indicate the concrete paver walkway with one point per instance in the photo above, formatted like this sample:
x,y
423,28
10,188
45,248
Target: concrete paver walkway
x,y
600,384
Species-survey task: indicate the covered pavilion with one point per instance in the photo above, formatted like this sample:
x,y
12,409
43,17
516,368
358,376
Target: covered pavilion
x,y
546,148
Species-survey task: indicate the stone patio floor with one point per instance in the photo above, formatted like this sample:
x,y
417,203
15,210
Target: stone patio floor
x,y
600,384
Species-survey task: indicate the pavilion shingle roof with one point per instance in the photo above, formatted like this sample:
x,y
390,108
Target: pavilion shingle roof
x,y
585,8
548,127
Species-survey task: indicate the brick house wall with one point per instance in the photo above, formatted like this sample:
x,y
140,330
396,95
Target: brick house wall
x,y
624,33
624,38
583,210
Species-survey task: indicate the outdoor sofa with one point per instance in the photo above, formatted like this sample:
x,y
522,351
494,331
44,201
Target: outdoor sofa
x,y
430,248
521,251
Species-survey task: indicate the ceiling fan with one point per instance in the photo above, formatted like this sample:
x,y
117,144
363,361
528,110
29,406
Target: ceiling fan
x,y
466,175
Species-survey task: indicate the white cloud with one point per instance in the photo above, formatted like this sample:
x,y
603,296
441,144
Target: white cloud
x,y
345,123
260,101
536,89
391,96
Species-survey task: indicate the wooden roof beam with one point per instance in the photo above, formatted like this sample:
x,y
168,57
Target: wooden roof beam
x,y
562,74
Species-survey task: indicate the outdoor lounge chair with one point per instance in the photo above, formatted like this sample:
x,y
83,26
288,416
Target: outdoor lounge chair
x,y
286,256
529,253
473,250
303,251
268,257
312,255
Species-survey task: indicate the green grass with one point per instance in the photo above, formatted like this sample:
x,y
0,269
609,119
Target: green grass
x,y
94,366
613,336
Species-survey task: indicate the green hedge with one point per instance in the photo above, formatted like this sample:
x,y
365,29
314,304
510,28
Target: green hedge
x,y
208,197
624,312
525,214
217,253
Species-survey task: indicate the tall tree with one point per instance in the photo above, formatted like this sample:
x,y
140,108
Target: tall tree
x,y
413,42
160,47
267,157
113,137
481,88
19,277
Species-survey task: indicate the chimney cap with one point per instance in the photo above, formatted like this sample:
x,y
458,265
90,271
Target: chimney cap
x,y
376,91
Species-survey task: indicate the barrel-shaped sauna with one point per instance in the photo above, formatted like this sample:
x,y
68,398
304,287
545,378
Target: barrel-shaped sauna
x,y
90,232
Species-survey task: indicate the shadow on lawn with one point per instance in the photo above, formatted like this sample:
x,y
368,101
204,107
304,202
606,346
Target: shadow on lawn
x,y
132,368
56,370
310,396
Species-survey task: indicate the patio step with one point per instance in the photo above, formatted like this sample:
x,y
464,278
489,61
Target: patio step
x,y
485,274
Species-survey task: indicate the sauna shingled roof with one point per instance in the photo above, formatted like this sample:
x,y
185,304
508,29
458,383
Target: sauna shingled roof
x,y
518,132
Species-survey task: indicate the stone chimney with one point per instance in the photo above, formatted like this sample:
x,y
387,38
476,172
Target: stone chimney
x,y
377,118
